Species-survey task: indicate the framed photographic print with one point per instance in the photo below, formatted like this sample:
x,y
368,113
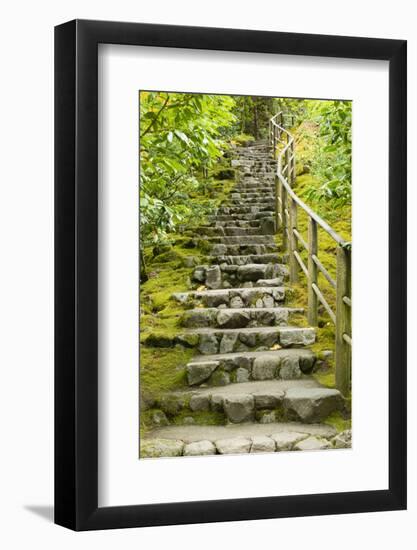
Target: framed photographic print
x,y
230,275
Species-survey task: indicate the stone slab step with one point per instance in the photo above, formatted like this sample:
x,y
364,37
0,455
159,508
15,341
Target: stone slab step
x,y
261,274
302,400
244,195
241,240
285,364
238,317
223,296
245,259
254,187
227,230
220,249
251,217
257,202
245,209
239,439
210,341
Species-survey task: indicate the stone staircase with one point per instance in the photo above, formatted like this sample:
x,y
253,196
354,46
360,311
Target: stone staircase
x,y
253,367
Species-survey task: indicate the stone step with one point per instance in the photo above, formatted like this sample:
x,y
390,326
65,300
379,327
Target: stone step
x,y
245,259
240,438
243,209
284,364
257,202
209,341
238,317
254,217
224,296
302,400
252,188
244,195
231,230
215,276
241,240
242,249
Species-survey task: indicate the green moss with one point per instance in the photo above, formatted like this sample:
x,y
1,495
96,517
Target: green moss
x,y
202,418
163,370
337,420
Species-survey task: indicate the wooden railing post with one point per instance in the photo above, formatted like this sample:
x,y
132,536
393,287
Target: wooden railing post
x,y
293,242
312,314
343,320
284,224
277,197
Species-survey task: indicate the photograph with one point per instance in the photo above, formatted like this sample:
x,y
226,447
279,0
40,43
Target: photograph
x,y
245,274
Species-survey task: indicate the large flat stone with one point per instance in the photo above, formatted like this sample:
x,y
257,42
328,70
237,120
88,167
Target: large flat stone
x,y
239,408
312,404
237,445
201,371
156,448
200,448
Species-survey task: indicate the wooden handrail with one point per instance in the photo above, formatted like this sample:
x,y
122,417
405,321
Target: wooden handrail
x,y
286,205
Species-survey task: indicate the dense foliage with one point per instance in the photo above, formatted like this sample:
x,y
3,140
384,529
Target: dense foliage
x,y
181,136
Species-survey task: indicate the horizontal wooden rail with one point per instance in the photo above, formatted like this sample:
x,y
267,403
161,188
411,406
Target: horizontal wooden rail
x,y
287,203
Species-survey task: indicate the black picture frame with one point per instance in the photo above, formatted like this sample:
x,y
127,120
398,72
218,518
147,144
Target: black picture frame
x,y
76,272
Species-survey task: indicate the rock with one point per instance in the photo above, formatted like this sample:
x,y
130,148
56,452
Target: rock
x,y
220,378
300,337
312,444
216,403
307,363
199,448
171,404
342,440
187,340
286,440
242,375
213,277
197,318
268,400
278,294
208,344
155,448
262,444
268,417
199,403
265,367
191,261
268,301
236,445
251,272
239,408
248,339
181,297
198,372
268,339
259,303
219,250
199,274
227,343
243,362
236,302
289,368
227,318
313,404
277,281
188,421
267,226
159,418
